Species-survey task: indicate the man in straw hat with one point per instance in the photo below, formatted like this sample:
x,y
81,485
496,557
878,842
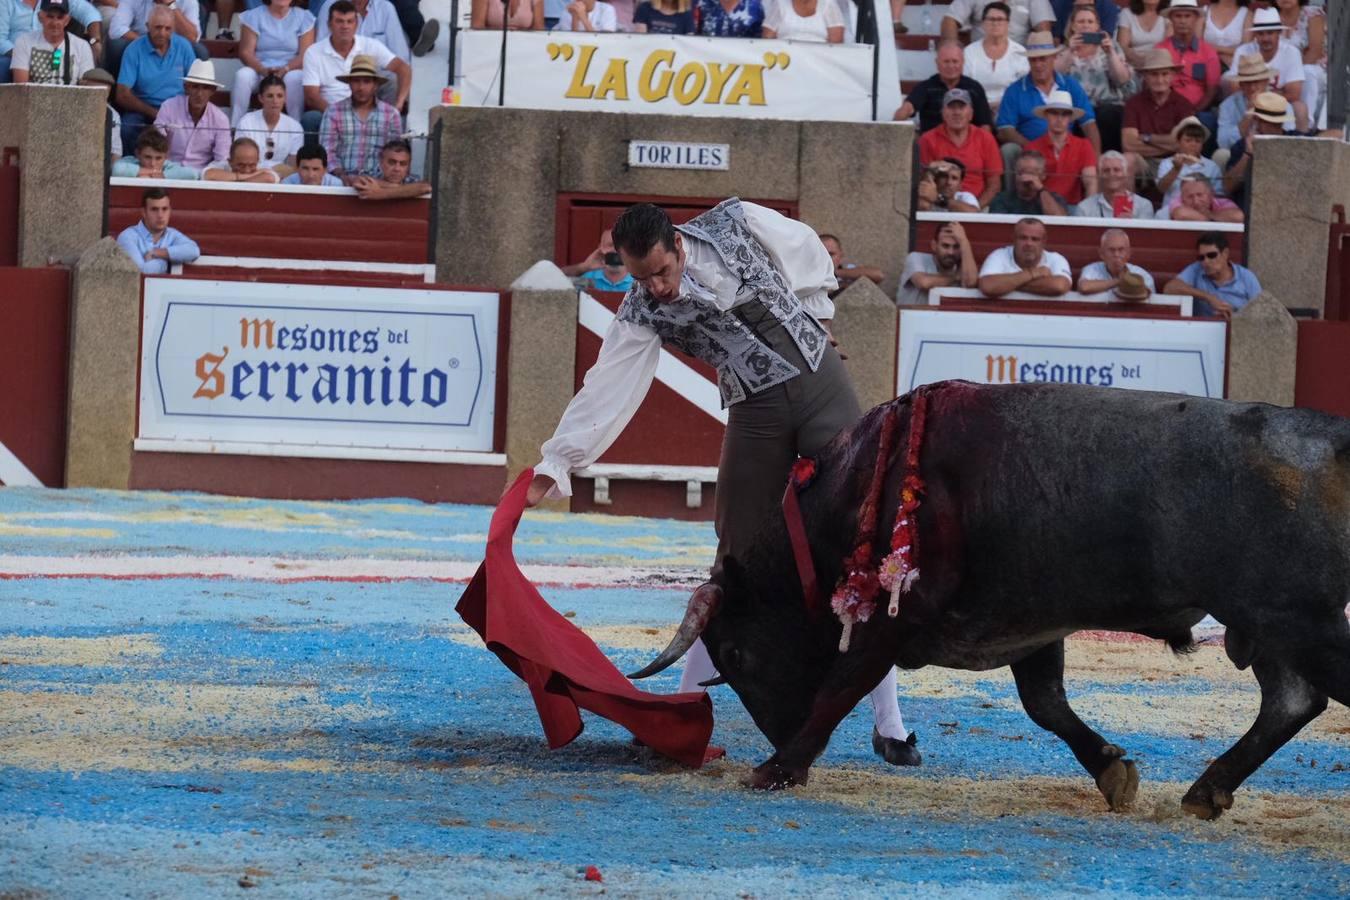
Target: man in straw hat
x,y
1270,115
198,130
1253,77
335,55
152,71
1198,65
1018,123
353,130
1288,75
1070,161
1190,136
1151,114
1114,271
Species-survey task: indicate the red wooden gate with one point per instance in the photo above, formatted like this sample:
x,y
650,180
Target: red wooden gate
x,y
34,359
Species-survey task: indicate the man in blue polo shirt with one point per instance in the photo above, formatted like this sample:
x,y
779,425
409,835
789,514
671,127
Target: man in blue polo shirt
x,y
153,68
1017,123
1220,286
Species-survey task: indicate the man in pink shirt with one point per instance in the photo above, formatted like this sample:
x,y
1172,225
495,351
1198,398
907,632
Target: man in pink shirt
x,y
198,130
1200,72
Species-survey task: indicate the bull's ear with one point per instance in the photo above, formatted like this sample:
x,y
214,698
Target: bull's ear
x,y
732,577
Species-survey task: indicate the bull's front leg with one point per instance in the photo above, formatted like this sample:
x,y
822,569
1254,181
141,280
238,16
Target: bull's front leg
x,y
791,764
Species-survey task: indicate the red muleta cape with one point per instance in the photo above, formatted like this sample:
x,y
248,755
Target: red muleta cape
x,y
563,668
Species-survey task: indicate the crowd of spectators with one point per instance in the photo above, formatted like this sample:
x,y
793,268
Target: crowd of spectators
x,y
1029,265
338,80
1095,108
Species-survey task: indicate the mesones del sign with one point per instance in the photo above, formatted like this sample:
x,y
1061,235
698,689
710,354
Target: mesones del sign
x,y
682,75
346,371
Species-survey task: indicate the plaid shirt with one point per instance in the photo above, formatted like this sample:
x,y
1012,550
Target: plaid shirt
x,y
353,145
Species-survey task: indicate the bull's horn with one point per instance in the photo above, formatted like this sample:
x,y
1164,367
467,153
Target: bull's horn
x,y
714,681
702,607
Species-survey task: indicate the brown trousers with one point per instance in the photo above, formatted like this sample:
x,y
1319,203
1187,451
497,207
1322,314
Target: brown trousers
x,y
766,432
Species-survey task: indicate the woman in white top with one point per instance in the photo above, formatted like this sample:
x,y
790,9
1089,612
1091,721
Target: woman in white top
x,y
1226,25
277,135
589,15
273,41
995,61
1141,28
804,20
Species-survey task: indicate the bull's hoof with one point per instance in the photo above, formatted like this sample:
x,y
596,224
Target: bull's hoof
x,y
895,751
1206,802
1119,784
774,776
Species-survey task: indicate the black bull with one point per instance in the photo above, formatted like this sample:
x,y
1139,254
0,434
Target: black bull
x,y
1051,509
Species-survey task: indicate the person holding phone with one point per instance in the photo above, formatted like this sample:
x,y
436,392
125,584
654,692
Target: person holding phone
x,y
1090,55
603,270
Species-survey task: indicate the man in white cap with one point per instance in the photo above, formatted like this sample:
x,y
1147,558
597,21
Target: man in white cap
x,y
1198,66
1070,161
1106,274
1252,77
1285,62
198,130
1269,115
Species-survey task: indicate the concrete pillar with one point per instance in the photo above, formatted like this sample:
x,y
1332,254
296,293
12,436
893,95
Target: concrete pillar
x,y
1294,183
104,351
855,183
496,201
541,369
865,326
1262,351
60,135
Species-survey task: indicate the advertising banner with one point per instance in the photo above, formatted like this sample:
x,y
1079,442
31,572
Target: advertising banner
x,y
1183,356
673,74
361,369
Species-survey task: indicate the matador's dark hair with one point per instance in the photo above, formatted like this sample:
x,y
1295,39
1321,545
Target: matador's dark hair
x,y
641,227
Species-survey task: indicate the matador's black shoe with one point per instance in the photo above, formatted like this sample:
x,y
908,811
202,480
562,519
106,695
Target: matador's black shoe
x,y
895,751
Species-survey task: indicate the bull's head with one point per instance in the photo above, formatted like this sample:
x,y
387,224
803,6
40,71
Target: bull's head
x,y
774,655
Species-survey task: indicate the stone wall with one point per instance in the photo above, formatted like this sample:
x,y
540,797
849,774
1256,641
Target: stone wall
x,y
60,135
501,170
1295,183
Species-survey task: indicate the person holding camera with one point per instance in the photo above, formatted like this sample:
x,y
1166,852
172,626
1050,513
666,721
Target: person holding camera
x,y
603,270
1100,66
940,188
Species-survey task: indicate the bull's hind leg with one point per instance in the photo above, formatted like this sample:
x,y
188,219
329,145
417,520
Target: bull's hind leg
x,y
1040,684
1288,702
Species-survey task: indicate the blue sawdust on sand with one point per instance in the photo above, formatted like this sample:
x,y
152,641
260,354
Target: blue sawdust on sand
x,y
431,775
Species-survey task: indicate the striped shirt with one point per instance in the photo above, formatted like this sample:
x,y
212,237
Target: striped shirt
x,y
353,144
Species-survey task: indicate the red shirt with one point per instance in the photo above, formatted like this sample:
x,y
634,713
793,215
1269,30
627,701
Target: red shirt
x,y
1199,68
1064,168
979,154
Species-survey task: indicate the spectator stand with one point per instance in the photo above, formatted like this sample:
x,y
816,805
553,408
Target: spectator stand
x,y
289,222
1162,247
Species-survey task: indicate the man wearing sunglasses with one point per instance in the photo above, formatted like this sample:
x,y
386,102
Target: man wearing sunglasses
x,y
1219,285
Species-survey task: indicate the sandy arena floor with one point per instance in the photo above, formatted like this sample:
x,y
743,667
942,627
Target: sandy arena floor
x,y
200,695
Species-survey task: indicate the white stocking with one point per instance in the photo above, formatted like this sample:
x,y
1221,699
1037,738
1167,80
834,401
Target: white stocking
x,y
698,666
886,708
